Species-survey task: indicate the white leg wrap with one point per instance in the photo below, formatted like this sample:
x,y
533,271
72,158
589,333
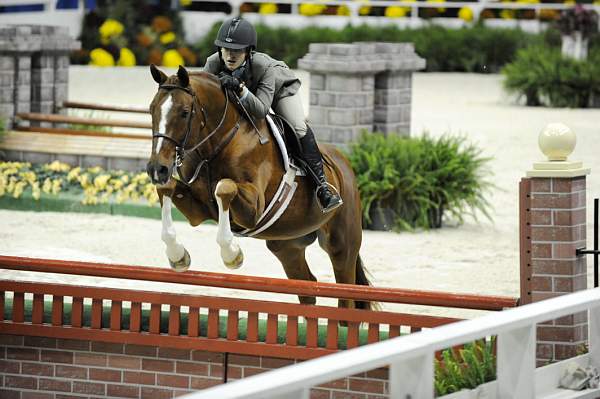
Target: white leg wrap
x,y
175,251
230,249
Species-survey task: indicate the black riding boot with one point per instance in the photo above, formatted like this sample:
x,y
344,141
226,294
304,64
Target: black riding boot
x,y
327,200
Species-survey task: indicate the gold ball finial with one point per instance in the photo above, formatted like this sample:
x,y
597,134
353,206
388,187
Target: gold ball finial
x,y
557,141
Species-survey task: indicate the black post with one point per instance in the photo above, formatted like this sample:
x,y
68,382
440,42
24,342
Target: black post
x,y
595,251
595,242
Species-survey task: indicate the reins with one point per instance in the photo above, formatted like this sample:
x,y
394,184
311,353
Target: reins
x,y
181,152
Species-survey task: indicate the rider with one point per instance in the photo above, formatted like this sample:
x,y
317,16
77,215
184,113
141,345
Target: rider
x,y
262,82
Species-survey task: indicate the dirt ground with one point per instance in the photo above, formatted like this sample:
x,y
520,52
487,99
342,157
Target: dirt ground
x,y
476,257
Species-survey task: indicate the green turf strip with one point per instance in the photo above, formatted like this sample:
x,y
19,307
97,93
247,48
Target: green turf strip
x,y
71,202
242,324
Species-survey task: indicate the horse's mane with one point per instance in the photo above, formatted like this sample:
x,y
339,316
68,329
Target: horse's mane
x,y
197,76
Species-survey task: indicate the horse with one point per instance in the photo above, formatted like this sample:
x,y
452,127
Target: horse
x,y
213,163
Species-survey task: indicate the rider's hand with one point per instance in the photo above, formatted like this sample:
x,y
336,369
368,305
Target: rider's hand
x,y
229,82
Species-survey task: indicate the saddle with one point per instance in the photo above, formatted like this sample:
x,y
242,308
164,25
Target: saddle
x,y
290,150
289,144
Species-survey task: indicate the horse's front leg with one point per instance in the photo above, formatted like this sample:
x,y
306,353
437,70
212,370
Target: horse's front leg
x,y
247,202
179,257
231,253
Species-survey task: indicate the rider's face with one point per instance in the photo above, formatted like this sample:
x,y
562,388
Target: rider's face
x,y
233,58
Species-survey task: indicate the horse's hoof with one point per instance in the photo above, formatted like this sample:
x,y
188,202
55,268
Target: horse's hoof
x,y
237,262
182,264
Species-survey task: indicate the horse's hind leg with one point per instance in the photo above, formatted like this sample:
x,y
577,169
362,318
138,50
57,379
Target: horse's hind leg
x,y
291,254
342,242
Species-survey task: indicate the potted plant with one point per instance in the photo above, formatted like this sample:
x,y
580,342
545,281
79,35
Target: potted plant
x,y
576,26
408,183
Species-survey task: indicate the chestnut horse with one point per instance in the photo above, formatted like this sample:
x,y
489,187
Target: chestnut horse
x,y
226,173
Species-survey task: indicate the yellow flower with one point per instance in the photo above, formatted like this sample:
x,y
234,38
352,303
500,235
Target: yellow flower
x,y
73,174
267,8
84,180
58,166
35,191
100,181
343,10
47,186
18,190
364,10
310,10
507,14
101,57
2,185
89,196
395,12
167,38
11,184
172,59
111,28
29,177
127,58
466,14
10,171
56,184
117,184
439,9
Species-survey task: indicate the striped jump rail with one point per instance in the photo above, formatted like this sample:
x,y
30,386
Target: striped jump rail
x,y
211,323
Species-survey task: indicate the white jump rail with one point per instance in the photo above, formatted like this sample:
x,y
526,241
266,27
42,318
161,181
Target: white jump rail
x,y
411,357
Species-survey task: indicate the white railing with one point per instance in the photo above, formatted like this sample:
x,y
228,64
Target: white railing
x,y
355,6
411,357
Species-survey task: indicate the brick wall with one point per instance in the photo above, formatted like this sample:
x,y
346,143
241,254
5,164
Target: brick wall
x,y
557,227
48,368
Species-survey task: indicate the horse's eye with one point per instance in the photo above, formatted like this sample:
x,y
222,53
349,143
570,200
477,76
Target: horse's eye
x,y
185,113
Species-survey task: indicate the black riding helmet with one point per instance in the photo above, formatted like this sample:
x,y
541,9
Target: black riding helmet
x,y
236,33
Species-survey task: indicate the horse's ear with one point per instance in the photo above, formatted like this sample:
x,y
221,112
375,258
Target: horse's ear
x,y
158,75
184,78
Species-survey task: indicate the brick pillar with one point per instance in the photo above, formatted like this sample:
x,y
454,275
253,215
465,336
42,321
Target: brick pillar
x,y
553,226
359,86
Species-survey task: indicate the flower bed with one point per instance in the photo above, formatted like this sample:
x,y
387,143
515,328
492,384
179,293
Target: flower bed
x,y
58,187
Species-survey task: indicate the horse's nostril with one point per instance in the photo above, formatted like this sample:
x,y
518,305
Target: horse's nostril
x,y
163,171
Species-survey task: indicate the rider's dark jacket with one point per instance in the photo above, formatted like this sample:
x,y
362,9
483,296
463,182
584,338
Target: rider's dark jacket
x,y
269,81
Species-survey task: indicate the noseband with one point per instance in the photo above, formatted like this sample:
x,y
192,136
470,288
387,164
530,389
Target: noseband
x,y
180,151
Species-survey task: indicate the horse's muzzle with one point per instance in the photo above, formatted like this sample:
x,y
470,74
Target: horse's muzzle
x,y
158,173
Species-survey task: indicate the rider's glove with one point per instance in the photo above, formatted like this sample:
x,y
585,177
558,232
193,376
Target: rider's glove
x,y
229,82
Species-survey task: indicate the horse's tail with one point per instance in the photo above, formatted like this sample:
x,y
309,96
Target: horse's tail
x,y
363,279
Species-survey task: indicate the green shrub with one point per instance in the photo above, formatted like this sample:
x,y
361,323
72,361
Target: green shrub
x,y
544,77
419,179
472,366
476,49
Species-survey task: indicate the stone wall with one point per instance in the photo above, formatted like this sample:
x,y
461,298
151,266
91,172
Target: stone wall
x,y
34,69
360,86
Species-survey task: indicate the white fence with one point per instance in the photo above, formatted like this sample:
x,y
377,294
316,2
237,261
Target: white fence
x,y
197,23
411,362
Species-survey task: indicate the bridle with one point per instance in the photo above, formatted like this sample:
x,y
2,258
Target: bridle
x,y
180,151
